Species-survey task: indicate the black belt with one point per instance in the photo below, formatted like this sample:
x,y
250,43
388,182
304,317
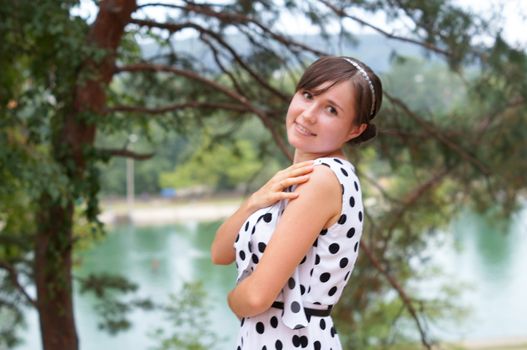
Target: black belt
x,y
308,311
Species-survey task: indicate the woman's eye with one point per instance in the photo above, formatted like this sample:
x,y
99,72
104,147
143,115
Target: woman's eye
x,y
307,95
332,110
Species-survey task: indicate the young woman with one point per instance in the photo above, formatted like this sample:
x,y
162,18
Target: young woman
x,y
296,239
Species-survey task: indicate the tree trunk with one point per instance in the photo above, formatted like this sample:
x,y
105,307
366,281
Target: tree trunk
x,y
53,279
54,241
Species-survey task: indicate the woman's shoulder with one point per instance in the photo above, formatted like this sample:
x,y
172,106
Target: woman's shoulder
x,y
340,166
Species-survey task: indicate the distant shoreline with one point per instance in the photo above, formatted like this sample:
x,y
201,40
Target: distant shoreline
x,y
159,211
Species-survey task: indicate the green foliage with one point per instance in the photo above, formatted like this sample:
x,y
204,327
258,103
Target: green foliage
x,y
187,321
216,166
113,306
11,314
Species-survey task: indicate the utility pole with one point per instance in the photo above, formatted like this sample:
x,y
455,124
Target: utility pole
x,y
130,188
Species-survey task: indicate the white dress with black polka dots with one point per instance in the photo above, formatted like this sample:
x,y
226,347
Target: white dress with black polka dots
x,y
318,281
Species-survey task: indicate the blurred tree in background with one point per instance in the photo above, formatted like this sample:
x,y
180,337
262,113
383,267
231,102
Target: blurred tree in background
x,y
72,90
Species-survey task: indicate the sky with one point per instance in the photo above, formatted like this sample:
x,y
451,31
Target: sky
x,y
513,17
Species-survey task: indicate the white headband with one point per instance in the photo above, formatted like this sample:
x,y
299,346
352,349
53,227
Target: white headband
x,y
367,78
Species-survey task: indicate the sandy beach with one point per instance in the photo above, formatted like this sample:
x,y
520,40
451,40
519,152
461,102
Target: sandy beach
x,y
162,212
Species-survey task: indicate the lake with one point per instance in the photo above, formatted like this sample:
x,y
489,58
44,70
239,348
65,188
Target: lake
x,y
489,256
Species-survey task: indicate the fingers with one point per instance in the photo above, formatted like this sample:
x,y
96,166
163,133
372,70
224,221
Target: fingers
x,y
287,195
300,166
293,181
294,170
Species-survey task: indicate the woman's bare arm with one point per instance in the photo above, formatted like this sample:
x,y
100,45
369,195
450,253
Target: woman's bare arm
x,y
319,202
222,251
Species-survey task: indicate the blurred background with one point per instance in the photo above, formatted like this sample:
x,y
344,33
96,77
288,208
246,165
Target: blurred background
x,y
130,129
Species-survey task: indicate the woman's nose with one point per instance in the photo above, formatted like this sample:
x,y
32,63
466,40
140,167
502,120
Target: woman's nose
x,y
309,114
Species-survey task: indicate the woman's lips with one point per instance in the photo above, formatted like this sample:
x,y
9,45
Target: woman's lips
x,y
302,130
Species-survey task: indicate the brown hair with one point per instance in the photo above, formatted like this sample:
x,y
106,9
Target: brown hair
x,y
334,70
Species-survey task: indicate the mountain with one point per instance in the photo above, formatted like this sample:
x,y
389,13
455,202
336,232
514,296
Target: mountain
x,y
375,50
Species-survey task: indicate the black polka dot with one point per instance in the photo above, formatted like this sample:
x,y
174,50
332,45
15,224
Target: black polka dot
x,y
238,348
298,326
317,259
342,219
253,230
343,262
326,165
295,306
356,185
250,246
246,225
325,277
344,171
315,243
242,254
347,275
303,341
352,201
243,321
309,289
237,238
333,331
337,160
274,322
260,327
268,217
334,248
302,289
317,345
264,347
323,232
261,247
322,324
360,215
296,340
356,247
255,259
342,188
291,283
332,291
278,345
311,272
351,232
303,260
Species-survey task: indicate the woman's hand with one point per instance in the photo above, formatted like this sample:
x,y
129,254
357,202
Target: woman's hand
x,y
273,190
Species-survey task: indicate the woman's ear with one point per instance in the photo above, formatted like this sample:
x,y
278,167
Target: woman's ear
x,y
356,131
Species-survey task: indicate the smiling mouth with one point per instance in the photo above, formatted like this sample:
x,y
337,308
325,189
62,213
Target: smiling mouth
x,y
303,130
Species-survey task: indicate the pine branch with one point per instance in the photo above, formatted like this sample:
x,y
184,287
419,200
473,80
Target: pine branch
x,y
402,294
138,67
13,276
437,134
428,46
409,200
177,106
233,18
175,27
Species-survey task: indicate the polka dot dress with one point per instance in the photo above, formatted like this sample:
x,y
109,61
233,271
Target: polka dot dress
x,y
319,279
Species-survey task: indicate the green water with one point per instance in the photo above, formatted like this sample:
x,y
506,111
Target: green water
x,y
488,255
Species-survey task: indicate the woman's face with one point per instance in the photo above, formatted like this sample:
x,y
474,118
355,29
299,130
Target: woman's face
x,y
323,123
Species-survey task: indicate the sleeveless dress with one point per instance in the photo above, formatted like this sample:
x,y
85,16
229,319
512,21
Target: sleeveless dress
x,y
317,282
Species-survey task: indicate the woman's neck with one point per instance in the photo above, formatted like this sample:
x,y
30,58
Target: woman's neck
x,y
301,156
